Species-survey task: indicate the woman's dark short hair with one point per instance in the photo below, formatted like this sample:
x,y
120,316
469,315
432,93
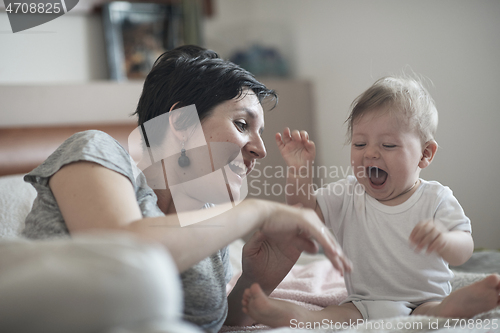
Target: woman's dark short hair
x,y
193,75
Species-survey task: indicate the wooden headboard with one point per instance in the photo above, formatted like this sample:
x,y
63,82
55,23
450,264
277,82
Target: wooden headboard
x,y
24,148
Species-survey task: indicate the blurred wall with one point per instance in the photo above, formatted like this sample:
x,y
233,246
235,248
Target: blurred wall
x,y
341,47
68,49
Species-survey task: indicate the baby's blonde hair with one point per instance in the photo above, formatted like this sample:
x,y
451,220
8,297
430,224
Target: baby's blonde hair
x,y
406,97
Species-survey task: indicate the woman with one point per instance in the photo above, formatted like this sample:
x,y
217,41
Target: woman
x,y
90,183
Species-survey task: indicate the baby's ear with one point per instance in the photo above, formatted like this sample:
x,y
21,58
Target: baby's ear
x,y
428,153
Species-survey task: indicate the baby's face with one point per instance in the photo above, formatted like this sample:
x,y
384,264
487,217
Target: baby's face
x,y
385,156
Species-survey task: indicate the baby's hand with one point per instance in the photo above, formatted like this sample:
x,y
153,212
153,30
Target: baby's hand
x,y
429,234
296,148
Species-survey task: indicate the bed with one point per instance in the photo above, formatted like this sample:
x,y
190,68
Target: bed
x,y
312,282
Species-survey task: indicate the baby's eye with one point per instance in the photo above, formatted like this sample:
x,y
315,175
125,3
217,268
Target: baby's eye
x,y
389,146
242,125
359,145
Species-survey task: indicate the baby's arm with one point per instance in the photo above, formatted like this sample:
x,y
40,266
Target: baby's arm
x,y
453,246
299,153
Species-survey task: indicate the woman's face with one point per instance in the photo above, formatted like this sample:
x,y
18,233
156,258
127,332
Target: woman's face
x,y
239,121
222,151
233,133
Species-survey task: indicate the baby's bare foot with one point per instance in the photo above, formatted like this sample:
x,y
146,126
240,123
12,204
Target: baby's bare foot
x,y
267,311
471,300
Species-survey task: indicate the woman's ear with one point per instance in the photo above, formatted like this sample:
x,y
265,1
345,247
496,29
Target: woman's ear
x,y
172,120
428,153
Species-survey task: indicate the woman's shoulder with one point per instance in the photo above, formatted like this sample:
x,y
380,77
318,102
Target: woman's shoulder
x,y
90,139
91,146
45,219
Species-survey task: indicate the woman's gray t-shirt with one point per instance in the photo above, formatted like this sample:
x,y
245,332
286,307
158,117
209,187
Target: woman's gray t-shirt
x,y
204,284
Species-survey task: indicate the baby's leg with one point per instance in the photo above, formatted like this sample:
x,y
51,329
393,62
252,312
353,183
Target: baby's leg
x,y
276,313
466,302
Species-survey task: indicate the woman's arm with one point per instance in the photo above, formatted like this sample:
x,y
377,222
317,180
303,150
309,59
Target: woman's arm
x,y
92,197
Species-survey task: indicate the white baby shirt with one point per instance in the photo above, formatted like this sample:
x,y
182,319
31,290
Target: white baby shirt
x,y
376,238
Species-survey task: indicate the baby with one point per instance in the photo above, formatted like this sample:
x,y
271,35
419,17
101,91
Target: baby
x,y
384,216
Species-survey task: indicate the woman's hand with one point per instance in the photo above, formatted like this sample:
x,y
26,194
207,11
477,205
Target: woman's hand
x,y
291,229
267,261
284,232
297,150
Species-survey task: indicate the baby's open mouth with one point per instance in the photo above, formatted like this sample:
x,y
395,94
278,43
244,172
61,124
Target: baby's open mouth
x,y
238,168
377,176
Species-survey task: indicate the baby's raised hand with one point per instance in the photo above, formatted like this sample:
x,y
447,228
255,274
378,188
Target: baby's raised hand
x,y
429,234
296,148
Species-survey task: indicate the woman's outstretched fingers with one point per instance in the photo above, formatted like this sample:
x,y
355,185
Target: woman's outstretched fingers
x,y
332,249
307,244
305,223
336,254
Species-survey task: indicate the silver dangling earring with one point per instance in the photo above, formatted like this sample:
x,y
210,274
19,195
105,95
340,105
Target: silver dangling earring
x,y
183,159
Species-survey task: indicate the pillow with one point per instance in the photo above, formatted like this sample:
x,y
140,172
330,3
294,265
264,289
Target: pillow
x,y
16,199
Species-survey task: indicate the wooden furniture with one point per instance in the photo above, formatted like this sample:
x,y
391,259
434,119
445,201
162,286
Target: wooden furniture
x,y
23,149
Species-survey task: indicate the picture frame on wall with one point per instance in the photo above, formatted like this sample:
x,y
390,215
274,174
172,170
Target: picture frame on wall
x,y
137,33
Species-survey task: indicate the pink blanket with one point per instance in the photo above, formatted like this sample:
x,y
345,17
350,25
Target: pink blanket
x,y
313,286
